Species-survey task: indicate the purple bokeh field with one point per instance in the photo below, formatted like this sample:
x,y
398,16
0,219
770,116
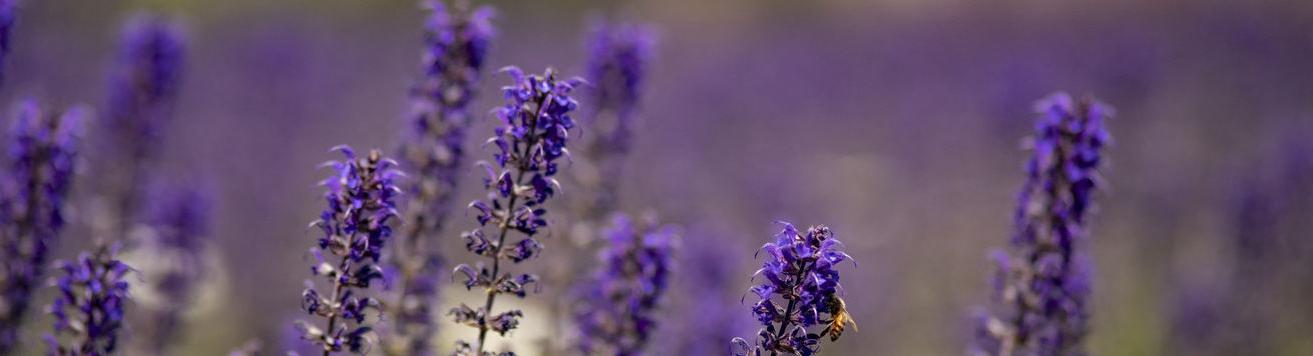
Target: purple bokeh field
x,y
899,124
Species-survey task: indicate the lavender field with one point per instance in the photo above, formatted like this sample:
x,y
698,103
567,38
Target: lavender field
x,y
656,177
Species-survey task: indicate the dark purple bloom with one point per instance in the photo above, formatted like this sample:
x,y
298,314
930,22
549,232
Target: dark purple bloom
x,y
617,66
40,163
618,305
1042,287
800,292
88,307
143,90
455,44
179,220
531,138
361,204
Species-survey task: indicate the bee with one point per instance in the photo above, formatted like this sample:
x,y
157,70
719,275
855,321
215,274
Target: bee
x,y
840,318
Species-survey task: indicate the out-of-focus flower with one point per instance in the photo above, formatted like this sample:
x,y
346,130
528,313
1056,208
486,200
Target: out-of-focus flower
x,y
455,45
1238,310
42,154
617,66
616,311
801,276
88,308
531,137
179,219
617,57
143,89
361,204
1042,287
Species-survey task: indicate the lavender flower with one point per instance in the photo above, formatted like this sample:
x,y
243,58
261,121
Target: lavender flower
x,y
88,309
143,89
456,42
361,204
617,66
617,315
179,219
1043,286
42,157
801,270
535,124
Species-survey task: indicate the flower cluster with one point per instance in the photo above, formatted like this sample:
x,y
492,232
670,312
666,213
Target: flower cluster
x,y
41,163
361,204
617,315
1041,289
179,219
88,308
143,89
456,42
801,271
617,64
535,124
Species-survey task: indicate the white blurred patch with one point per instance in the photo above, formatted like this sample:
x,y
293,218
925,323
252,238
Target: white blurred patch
x,y
528,339
149,262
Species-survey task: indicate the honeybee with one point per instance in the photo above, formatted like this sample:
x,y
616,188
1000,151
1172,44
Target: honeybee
x,y
840,319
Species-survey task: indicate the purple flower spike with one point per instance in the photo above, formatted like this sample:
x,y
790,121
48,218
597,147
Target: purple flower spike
x,y
530,139
800,292
1042,287
456,41
88,308
41,163
142,93
618,315
617,67
361,204
179,219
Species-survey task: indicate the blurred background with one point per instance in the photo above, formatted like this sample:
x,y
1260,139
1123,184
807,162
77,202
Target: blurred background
x,y
897,123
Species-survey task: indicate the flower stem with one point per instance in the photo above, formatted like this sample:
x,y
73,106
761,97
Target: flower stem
x,y
506,220
496,268
342,267
793,303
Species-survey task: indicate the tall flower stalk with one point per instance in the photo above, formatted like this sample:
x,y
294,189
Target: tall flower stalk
x,y
179,219
142,93
801,275
455,41
361,204
618,57
1042,288
531,137
616,66
42,157
88,308
617,311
